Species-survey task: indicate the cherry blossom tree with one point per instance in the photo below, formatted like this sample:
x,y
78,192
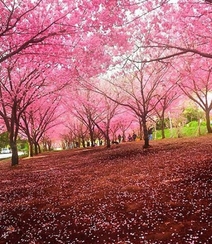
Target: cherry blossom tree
x,y
124,122
169,95
40,117
45,28
107,112
71,37
195,82
94,110
177,28
19,88
138,91
84,106
77,134
176,32
46,141
67,137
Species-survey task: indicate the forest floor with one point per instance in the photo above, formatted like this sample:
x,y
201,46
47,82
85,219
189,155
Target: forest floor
x,y
125,194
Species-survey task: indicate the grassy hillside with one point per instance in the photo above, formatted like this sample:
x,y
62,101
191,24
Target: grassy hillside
x,y
189,130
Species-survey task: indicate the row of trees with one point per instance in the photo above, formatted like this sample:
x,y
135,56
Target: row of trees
x,y
81,131
103,62
147,94
44,46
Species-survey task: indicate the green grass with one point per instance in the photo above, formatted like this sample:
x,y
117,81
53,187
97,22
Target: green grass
x,y
190,130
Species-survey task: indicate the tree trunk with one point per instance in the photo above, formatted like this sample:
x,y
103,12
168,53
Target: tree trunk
x,y
107,141
199,127
170,125
36,148
208,122
14,149
162,128
91,132
141,129
30,149
107,137
49,143
123,137
83,142
39,148
146,136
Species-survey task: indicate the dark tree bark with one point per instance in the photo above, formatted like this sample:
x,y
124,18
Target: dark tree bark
x,y
14,149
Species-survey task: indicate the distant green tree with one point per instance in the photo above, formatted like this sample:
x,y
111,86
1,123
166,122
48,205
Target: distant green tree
x,y
193,114
4,140
159,124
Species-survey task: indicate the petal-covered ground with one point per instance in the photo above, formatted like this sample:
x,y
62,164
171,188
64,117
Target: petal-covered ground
x,y
120,195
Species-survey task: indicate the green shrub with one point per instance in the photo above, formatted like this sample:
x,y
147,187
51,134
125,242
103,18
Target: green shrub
x,y
192,124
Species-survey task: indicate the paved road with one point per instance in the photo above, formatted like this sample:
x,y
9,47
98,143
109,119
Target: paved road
x,y
8,155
